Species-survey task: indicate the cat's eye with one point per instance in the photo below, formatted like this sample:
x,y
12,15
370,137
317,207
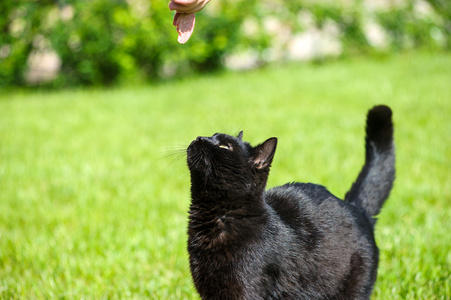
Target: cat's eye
x,y
225,146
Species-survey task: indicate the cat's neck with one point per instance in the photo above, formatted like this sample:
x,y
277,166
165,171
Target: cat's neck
x,y
223,216
226,218
221,203
247,198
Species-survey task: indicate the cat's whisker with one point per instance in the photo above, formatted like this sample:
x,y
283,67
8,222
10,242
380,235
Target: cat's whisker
x,y
174,154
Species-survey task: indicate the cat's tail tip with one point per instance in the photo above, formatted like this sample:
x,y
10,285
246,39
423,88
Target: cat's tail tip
x,y
379,126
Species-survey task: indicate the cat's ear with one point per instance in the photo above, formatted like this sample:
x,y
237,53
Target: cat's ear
x,y
240,135
264,153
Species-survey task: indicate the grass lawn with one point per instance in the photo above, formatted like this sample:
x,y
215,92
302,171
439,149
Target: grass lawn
x,y
94,190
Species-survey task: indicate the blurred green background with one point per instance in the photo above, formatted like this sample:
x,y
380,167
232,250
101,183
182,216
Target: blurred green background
x,y
98,103
102,42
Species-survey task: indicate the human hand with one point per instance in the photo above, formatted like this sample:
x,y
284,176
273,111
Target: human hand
x,y
184,18
187,6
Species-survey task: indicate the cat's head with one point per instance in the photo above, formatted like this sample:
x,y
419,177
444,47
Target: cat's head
x,y
227,163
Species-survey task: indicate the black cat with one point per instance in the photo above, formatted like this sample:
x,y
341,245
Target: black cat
x,y
296,241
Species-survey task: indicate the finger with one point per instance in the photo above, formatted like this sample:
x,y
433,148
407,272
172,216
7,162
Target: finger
x,y
187,6
186,2
185,9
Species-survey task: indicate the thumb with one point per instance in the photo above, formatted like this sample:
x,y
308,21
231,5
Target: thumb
x,y
185,26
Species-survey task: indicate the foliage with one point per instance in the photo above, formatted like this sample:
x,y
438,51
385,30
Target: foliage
x,y
101,42
19,24
408,29
127,41
443,8
349,20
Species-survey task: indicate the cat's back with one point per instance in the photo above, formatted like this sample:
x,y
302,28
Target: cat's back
x,y
295,191
299,204
294,199
296,206
335,238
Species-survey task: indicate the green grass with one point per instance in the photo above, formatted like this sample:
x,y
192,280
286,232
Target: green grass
x,y
94,190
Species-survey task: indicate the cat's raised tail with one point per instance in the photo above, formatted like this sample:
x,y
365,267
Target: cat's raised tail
x,y
375,180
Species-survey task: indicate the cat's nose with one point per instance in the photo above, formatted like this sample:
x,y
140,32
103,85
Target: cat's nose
x,y
201,138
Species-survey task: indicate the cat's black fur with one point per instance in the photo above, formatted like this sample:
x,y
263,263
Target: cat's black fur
x,y
296,241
